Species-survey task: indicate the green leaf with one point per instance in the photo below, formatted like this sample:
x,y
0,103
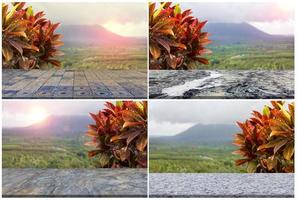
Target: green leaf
x,y
155,50
104,159
270,144
279,145
29,11
157,12
119,104
252,167
177,9
288,151
266,111
141,143
7,53
11,13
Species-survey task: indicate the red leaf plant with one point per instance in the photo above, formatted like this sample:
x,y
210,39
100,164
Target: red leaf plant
x,y
119,135
266,142
176,38
29,40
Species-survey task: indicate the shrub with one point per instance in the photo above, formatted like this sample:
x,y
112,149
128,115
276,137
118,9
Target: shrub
x,y
176,38
28,39
119,134
267,140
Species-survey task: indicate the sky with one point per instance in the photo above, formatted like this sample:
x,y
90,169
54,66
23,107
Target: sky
x,y
24,113
130,18
126,19
172,117
270,17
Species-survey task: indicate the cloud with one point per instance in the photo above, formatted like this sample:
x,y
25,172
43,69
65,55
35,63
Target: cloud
x,y
276,27
127,29
167,128
15,113
242,12
93,13
172,117
128,19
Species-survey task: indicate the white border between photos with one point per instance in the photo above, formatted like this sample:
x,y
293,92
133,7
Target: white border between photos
x,y
181,100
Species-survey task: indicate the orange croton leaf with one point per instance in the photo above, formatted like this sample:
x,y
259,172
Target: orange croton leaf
x,y
267,141
120,132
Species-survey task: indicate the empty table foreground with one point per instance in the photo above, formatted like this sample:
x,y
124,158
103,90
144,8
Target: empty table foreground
x,y
62,84
220,185
99,182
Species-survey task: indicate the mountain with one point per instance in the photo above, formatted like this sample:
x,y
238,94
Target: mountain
x,y
200,134
94,35
231,33
59,126
221,33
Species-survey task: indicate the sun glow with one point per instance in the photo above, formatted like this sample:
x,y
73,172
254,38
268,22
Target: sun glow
x,y
113,27
286,6
126,29
37,114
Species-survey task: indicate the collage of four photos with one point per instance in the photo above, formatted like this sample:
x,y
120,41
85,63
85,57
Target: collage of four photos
x,y
148,99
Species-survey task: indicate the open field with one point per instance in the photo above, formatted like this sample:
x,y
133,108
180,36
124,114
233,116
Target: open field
x,y
51,152
276,55
192,159
78,58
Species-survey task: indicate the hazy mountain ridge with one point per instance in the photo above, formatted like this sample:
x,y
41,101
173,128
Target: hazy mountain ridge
x,y
200,134
60,126
231,33
94,35
221,33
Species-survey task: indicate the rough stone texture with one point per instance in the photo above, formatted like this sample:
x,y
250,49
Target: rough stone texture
x,y
220,185
242,84
74,84
74,182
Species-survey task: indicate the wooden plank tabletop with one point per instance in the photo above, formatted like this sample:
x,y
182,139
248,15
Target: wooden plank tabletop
x,y
78,84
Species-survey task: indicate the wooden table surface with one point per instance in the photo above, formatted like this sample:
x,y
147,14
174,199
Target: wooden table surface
x,y
80,84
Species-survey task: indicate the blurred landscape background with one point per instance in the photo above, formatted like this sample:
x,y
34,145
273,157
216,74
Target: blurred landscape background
x,y
47,134
100,35
196,137
248,35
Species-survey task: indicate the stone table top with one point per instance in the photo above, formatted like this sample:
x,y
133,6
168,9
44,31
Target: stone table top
x,y
220,185
222,84
102,84
124,182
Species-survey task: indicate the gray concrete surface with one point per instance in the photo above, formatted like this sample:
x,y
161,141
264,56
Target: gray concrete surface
x,y
220,185
74,182
243,84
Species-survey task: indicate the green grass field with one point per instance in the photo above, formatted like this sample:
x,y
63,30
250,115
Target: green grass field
x,y
261,55
104,58
192,159
18,152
